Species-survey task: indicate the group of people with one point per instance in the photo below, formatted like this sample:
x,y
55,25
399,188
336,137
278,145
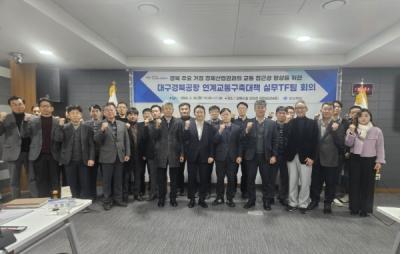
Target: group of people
x,y
307,153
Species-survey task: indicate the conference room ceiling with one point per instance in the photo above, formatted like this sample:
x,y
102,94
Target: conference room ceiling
x,y
207,33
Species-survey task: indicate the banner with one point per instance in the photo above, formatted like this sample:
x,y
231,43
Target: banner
x,y
227,88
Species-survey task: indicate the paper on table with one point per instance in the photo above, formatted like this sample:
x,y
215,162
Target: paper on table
x,y
12,214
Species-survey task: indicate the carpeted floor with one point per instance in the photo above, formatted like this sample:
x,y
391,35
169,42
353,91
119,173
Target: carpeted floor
x,y
144,228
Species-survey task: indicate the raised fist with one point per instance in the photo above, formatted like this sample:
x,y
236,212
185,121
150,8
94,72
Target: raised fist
x,y
158,123
27,117
221,127
249,126
2,116
187,124
335,126
104,126
61,121
352,128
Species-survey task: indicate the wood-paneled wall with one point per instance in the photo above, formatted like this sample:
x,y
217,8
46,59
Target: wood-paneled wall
x,y
23,82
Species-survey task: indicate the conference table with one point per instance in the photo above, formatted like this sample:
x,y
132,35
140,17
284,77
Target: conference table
x,y
42,224
394,214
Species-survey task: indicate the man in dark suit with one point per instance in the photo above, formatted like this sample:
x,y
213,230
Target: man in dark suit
x,y
282,129
329,150
184,111
228,155
44,149
300,152
127,175
214,112
113,141
260,137
169,147
138,144
199,151
15,147
146,114
94,123
242,121
77,152
151,151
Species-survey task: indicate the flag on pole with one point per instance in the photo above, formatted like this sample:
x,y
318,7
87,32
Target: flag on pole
x,y
361,97
112,92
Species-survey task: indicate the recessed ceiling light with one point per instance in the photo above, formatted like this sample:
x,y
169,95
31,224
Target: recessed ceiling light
x,y
148,8
303,38
46,52
333,4
169,41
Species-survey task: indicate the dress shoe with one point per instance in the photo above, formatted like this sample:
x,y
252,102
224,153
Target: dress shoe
x,y
230,203
344,199
353,213
218,201
303,210
267,205
363,214
107,206
272,201
138,197
192,203
283,202
120,203
337,202
291,208
312,205
173,202
161,202
249,205
327,208
203,203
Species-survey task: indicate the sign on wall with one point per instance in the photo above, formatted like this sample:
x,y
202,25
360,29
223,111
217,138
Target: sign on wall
x,y
226,89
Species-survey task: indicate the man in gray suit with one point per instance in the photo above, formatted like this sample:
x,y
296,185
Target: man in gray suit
x,y
260,137
16,148
44,150
113,141
77,152
325,170
169,152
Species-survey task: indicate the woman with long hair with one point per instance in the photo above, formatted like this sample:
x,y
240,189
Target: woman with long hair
x,y
367,156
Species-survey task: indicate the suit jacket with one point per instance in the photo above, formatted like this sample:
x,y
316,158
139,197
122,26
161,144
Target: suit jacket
x,y
302,142
87,143
12,138
169,143
95,125
228,144
112,148
270,140
216,123
33,129
330,145
199,150
137,149
151,138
